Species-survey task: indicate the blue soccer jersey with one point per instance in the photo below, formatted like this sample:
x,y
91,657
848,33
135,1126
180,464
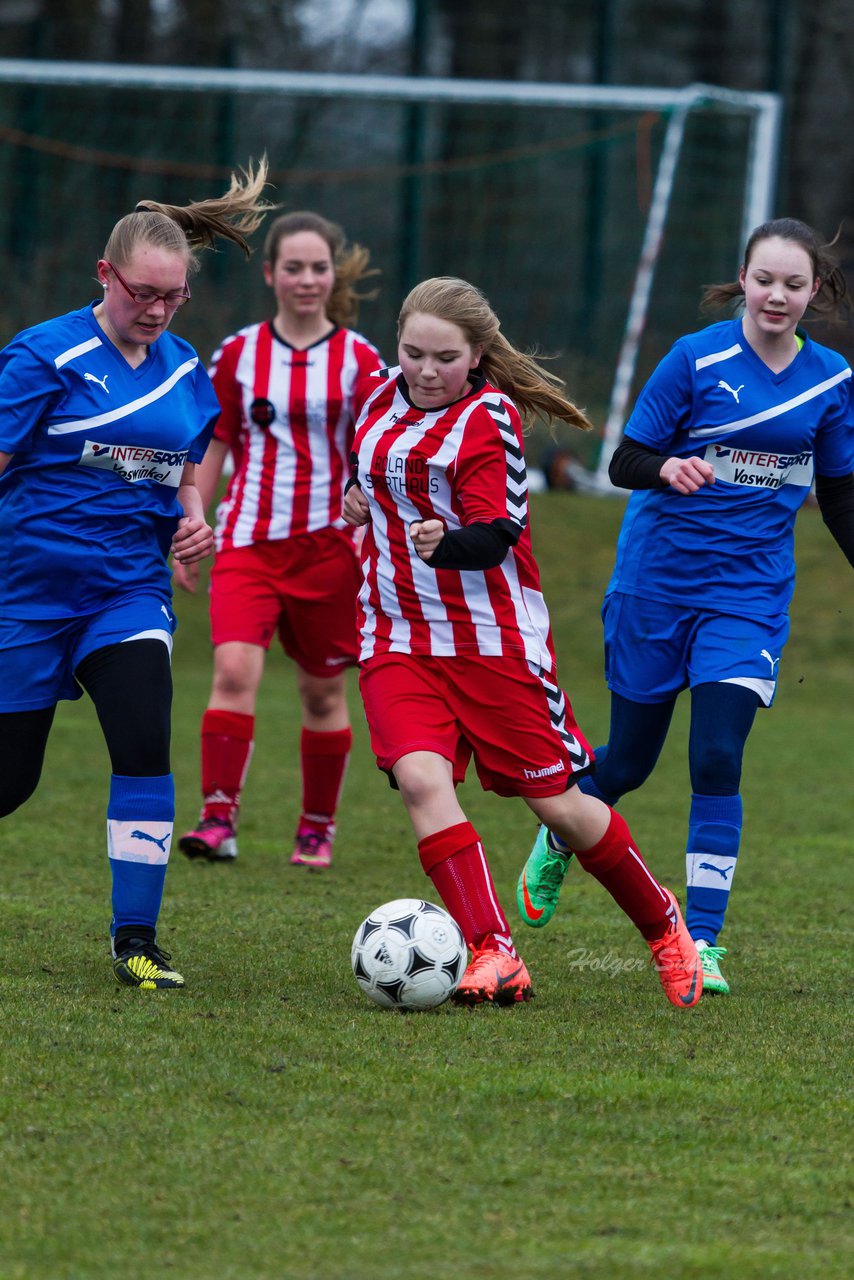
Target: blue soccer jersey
x,y
730,546
89,501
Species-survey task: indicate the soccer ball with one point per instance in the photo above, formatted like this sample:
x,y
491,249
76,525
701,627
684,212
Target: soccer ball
x,y
409,954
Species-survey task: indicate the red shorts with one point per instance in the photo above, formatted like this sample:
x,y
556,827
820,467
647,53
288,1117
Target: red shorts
x,y
517,725
304,588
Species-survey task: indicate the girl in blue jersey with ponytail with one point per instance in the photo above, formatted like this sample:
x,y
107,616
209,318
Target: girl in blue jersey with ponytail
x,y
103,417
721,450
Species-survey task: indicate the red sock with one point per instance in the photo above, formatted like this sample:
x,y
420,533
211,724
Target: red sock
x,y
323,757
619,868
455,862
226,750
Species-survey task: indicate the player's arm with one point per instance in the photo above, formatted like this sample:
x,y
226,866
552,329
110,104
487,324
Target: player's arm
x,y
209,470
229,426
476,546
481,476
835,497
356,509
30,389
194,538
637,466
645,458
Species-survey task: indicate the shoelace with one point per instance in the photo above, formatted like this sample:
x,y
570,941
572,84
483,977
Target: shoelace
x,y
308,843
151,951
714,954
674,960
485,959
207,823
554,869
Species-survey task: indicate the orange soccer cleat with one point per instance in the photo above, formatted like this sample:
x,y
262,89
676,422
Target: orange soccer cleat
x,y
677,961
493,977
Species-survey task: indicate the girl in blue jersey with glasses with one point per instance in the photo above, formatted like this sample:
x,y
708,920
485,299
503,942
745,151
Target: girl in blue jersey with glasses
x,y
103,417
721,450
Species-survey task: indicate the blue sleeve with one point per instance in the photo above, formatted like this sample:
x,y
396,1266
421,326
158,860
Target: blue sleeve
x,y
834,439
30,389
665,404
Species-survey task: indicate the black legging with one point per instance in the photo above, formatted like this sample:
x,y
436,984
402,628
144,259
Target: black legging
x,y
130,685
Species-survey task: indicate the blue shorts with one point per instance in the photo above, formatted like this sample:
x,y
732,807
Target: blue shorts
x,y
654,650
38,656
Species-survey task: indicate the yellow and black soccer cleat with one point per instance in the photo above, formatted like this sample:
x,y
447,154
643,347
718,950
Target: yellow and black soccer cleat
x,y
141,963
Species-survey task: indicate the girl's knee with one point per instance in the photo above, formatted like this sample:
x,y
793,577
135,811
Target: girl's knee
x,y
716,768
423,780
618,773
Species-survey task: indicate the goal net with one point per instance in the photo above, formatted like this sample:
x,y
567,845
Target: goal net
x,y
589,215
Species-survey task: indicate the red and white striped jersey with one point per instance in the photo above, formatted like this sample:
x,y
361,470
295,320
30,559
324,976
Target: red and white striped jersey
x,y
288,418
462,464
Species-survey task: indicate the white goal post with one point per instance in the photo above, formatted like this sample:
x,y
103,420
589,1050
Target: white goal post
x,y
758,197
760,170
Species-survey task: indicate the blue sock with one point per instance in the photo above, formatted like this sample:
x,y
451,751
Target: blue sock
x,y
714,832
140,817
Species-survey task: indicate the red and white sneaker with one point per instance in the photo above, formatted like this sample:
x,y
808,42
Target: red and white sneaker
x,y
212,838
312,850
493,977
677,961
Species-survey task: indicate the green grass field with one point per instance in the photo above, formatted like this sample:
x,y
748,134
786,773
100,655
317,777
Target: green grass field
x,y
268,1123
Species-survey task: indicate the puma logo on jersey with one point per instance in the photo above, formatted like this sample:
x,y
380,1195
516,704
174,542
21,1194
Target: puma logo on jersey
x,y
765,654
732,390
102,382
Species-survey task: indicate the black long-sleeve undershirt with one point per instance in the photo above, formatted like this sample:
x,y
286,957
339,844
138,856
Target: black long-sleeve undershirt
x,y
635,466
476,546
835,497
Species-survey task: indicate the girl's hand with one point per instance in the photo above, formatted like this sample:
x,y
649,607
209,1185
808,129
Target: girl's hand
x,y
426,536
356,509
193,540
687,475
186,576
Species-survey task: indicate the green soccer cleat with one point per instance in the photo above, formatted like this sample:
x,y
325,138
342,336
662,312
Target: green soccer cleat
x,y
141,963
714,982
540,882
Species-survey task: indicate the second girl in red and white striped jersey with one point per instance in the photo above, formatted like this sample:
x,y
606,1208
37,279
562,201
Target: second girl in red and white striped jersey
x,y
285,562
457,658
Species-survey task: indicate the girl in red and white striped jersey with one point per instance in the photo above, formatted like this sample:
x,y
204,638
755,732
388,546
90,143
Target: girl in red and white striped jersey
x,y
457,657
285,562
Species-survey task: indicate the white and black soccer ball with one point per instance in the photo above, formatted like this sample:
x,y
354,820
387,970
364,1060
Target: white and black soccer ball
x,y
409,954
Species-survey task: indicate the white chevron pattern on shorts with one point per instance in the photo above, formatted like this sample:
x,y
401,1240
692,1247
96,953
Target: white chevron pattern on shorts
x,y
578,754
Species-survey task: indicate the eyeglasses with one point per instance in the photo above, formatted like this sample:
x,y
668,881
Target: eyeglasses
x,y
176,298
